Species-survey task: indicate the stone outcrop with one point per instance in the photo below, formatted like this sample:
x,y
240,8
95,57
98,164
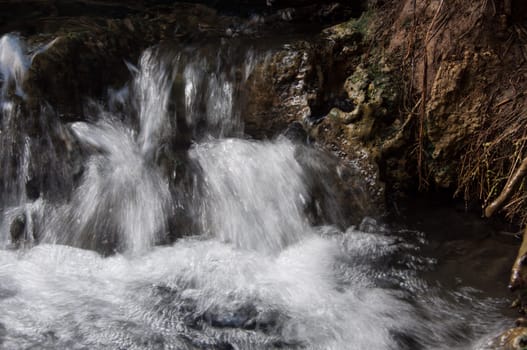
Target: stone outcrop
x,y
77,58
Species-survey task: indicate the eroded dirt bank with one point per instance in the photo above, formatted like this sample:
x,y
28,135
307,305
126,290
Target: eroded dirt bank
x,y
461,120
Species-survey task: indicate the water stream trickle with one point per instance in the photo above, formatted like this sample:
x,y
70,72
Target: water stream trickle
x,y
249,269
13,64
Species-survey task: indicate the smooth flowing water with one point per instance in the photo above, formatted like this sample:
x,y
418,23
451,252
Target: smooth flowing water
x,y
209,245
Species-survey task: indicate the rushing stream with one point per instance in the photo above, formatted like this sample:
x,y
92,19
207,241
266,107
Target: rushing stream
x,y
169,229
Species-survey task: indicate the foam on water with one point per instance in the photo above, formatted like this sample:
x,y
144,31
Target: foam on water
x,y
320,293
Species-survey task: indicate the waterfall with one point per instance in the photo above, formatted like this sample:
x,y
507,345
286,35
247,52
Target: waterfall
x,y
13,64
121,194
152,86
166,227
123,199
255,193
15,146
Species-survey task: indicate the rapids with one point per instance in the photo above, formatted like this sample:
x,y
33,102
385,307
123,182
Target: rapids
x,y
179,232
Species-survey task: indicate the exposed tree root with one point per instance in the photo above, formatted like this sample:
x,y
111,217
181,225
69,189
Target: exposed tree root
x,y
506,193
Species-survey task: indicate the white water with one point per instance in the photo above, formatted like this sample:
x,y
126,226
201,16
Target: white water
x,y
255,193
13,64
120,191
321,293
152,86
254,274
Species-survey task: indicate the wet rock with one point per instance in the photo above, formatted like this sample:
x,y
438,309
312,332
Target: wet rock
x,y
247,317
63,74
406,341
281,89
521,322
341,116
373,93
301,81
17,229
357,131
512,339
240,318
32,189
348,32
3,333
342,192
296,133
342,140
69,50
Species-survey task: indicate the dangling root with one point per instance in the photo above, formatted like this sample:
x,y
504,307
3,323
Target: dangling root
x,y
507,191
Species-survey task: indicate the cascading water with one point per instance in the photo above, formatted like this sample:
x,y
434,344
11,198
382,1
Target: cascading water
x,y
13,63
254,193
13,67
250,270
